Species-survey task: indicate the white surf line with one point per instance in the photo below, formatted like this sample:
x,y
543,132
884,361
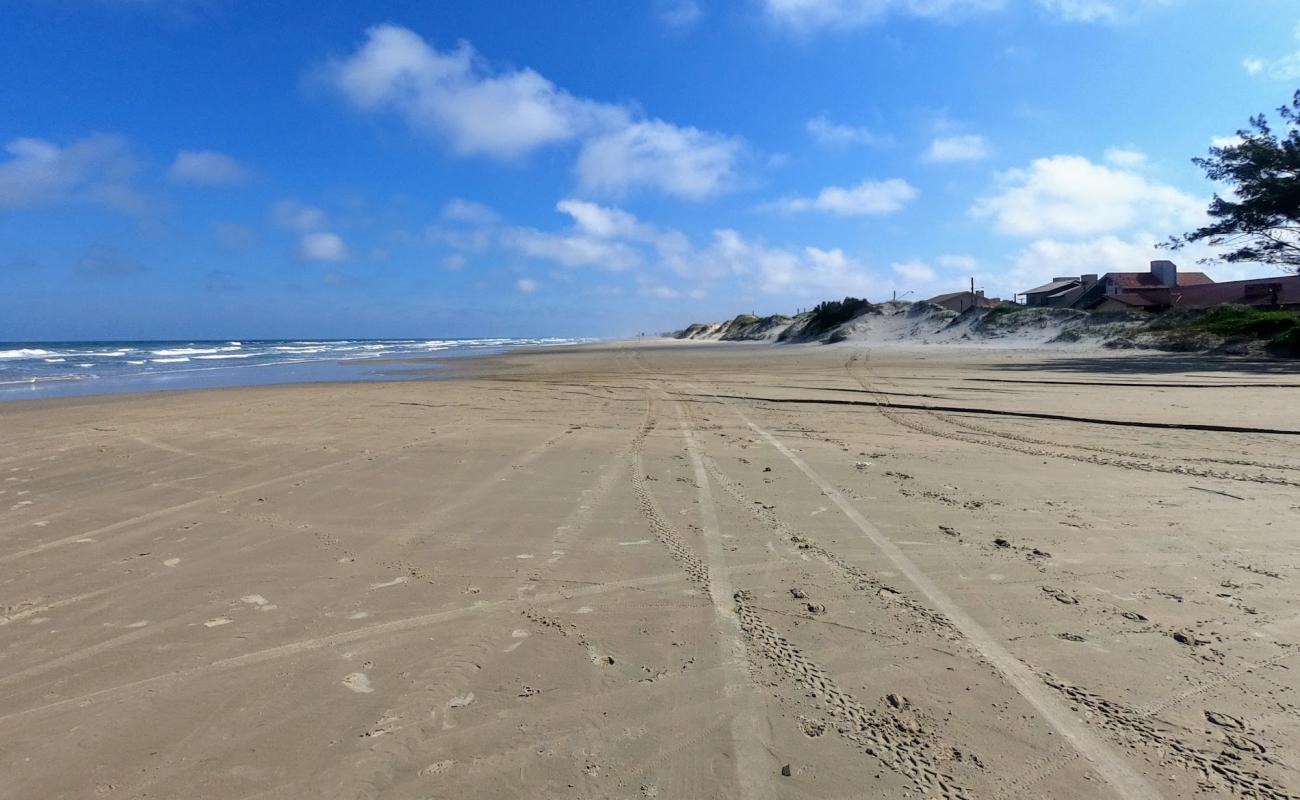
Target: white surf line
x,y
343,637
1111,766
753,768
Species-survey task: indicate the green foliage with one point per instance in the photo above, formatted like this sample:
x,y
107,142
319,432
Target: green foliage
x,y
1262,222
1281,329
1005,308
828,314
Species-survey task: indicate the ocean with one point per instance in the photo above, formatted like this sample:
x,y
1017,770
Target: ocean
x,y
59,369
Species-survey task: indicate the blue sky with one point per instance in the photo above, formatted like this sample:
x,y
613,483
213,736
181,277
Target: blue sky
x,y
217,168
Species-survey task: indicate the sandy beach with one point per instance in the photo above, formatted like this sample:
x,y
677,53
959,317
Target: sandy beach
x,y
672,570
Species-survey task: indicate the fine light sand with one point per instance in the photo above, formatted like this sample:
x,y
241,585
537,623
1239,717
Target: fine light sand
x,y
673,570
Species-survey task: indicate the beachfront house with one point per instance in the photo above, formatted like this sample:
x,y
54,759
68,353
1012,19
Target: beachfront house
x,y
961,301
1154,289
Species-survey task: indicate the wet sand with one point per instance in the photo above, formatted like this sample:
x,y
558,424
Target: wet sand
x,y
672,570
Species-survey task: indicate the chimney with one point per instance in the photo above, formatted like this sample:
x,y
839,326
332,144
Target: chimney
x,y
1166,272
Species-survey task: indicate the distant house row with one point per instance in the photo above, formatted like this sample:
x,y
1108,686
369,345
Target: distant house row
x,y
1160,288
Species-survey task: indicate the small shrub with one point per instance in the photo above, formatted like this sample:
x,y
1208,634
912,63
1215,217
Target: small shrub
x,y
831,313
1245,321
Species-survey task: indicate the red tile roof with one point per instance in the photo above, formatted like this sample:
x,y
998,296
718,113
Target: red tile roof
x,y
1129,281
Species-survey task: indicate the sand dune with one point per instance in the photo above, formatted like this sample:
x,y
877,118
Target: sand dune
x,y
674,570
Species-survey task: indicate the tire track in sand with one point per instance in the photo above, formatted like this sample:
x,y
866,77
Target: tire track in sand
x,y
749,734
1121,776
1014,445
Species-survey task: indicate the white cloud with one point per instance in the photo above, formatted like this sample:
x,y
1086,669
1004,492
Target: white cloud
x,y
1226,141
295,216
916,271
1100,255
208,168
868,198
1126,158
684,162
957,148
571,250
804,16
454,262
1286,68
322,246
678,15
807,272
1100,10
314,242
1070,195
661,292
825,132
527,285
96,170
603,222
957,263
468,211
455,96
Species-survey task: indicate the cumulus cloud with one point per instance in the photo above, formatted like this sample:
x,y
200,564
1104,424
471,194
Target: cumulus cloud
x,y
571,250
833,134
97,170
957,148
455,96
678,15
802,272
1070,195
1286,68
603,222
1100,255
468,211
322,246
685,162
315,243
803,16
1126,158
208,168
1226,141
1099,10
957,263
869,198
917,272
295,216
527,285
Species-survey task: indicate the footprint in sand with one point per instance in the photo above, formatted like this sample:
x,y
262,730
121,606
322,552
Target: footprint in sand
x,y
258,601
437,768
217,622
358,682
386,584
171,562
462,701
